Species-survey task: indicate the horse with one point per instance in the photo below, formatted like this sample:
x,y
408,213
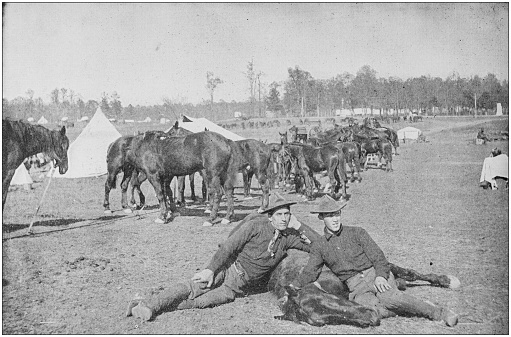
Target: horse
x,y
353,154
326,300
162,158
255,157
21,140
381,147
117,161
316,159
386,133
176,130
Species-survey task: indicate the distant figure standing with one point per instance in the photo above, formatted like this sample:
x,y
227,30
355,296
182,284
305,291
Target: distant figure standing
x,y
482,135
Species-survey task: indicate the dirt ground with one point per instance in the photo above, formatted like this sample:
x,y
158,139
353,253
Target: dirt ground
x,y
77,273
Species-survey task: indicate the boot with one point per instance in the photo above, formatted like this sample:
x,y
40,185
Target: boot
x,y
147,309
444,314
449,317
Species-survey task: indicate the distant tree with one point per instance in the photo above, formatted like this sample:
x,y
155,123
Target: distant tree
x,y
116,106
105,106
211,84
364,87
296,87
273,98
130,111
80,104
54,96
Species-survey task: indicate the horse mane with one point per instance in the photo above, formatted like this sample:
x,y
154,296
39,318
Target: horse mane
x,y
34,138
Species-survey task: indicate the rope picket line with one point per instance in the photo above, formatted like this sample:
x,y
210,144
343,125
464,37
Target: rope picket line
x,y
41,201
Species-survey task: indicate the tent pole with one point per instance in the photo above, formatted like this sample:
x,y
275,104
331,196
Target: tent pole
x,y
41,201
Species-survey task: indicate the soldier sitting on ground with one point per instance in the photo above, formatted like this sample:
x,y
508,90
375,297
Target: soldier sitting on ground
x,y
354,257
252,251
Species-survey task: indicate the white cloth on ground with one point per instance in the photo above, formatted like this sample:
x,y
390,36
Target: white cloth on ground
x,y
495,167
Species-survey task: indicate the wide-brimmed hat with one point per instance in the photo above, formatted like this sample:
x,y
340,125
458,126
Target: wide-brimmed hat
x,y
328,205
277,201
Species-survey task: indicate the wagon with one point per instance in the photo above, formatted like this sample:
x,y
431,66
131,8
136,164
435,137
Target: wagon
x,y
301,134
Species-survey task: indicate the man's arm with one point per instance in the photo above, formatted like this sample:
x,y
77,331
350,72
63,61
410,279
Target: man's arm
x,y
234,244
313,268
374,254
305,232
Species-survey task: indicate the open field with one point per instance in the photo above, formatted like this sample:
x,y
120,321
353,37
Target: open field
x,y
77,273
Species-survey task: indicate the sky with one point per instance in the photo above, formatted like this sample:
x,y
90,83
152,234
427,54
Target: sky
x,y
151,52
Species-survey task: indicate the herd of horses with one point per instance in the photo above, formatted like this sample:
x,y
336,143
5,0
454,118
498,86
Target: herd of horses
x,y
159,156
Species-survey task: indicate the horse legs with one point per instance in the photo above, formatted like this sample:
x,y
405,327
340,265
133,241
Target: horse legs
x,y
109,184
410,275
191,177
130,174
247,182
229,193
181,190
265,186
135,185
388,160
343,179
158,184
214,192
6,181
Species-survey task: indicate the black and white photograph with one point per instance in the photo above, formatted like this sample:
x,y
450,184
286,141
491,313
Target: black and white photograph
x,y
243,168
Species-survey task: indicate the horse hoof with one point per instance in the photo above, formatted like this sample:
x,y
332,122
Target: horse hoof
x,y
107,211
207,211
455,282
207,224
127,210
160,221
225,221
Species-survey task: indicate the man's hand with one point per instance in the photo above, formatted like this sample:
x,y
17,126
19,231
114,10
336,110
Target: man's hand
x,y
204,276
294,223
381,284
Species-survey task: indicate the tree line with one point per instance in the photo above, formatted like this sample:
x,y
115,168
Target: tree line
x,y
299,95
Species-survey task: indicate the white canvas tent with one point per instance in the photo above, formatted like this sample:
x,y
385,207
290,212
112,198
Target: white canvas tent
x,y
21,176
199,124
408,133
42,120
87,154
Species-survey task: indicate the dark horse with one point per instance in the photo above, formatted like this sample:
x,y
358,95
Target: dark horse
x,y
256,158
326,300
21,140
312,159
117,161
381,147
176,130
162,158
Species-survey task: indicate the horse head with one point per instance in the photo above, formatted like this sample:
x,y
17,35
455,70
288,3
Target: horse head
x,y
283,137
59,150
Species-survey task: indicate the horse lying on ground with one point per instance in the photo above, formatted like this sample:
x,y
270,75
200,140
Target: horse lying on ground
x,y
21,140
326,300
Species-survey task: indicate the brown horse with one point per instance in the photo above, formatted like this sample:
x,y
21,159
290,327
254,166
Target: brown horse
x,y
21,140
316,159
117,161
326,301
162,158
255,159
